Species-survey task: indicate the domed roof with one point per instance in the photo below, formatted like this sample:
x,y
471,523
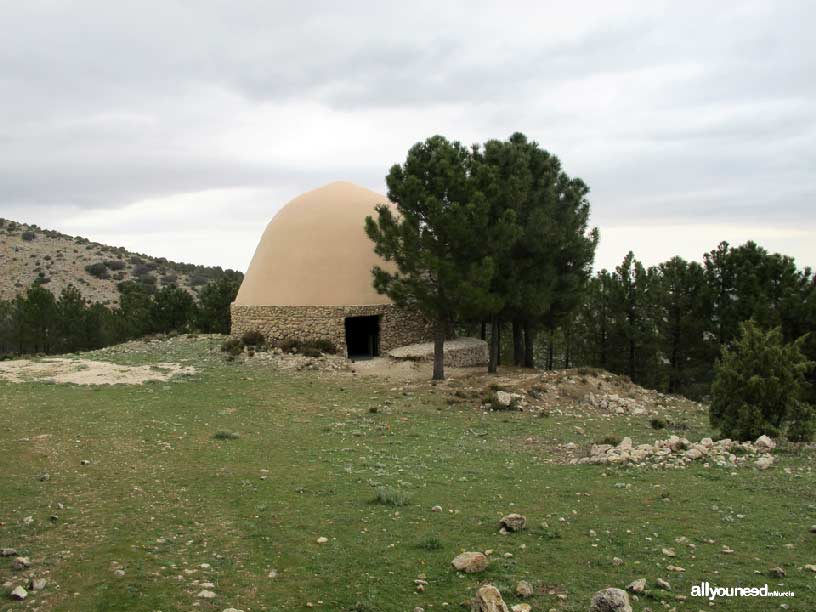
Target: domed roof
x,y
315,252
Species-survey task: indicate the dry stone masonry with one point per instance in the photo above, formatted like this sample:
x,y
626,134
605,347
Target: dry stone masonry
x,y
398,326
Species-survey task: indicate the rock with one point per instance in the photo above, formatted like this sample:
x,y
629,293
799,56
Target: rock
x,y
764,462
693,453
21,563
470,562
663,584
524,589
617,561
522,607
119,573
508,399
488,599
811,567
675,568
669,552
205,594
625,444
231,610
637,586
610,600
8,552
322,540
19,593
85,462
776,572
514,522
436,509
37,584
418,609
764,444
812,529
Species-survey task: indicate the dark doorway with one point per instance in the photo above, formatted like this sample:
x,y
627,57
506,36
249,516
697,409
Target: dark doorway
x,y
363,336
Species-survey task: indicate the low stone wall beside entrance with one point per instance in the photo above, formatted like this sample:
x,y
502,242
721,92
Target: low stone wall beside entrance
x,y
398,326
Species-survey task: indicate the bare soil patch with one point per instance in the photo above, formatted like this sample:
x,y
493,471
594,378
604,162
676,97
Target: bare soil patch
x,y
87,372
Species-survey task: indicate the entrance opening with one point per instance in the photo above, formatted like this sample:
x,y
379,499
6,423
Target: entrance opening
x,y
363,336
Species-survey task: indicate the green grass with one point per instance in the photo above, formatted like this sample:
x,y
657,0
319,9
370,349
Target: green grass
x,y
161,496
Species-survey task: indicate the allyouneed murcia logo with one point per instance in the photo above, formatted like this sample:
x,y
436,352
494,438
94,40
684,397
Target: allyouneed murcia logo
x,y
711,592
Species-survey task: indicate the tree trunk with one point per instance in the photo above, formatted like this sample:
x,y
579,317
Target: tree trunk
x,y
493,359
550,351
439,355
498,342
529,345
518,344
484,331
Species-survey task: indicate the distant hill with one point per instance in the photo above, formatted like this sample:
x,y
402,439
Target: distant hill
x,y
29,254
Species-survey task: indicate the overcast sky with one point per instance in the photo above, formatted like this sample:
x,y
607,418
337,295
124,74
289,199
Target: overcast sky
x,y
179,128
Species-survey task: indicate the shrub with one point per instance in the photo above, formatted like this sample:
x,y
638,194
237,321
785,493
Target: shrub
x,y
28,236
658,423
612,439
253,338
758,382
114,264
430,543
390,496
226,435
232,346
142,269
99,270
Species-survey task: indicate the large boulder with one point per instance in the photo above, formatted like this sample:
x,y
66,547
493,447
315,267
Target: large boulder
x,y
610,600
470,562
488,599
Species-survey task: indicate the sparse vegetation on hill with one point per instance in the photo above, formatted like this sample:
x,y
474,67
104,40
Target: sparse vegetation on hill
x,y
30,254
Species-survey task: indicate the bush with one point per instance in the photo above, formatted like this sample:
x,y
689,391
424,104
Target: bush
x,y
430,543
658,423
114,264
226,435
758,382
28,236
309,348
99,270
253,338
612,439
232,346
390,496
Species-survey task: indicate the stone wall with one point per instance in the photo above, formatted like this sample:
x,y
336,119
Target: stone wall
x,y
398,326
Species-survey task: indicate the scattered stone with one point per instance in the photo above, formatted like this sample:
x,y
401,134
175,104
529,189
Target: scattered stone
x,y
488,599
45,477
669,552
522,607
776,572
764,444
28,520
470,562
85,462
8,552
119,573
637,586
610,600
436,509
524,589
21,563
811,567
19,593
37,584
663,584
514,522
675,568
813,529
322,540
205,594
764,462
616,561
232,610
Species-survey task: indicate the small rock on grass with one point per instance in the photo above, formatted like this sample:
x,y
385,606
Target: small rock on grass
x,y
637,586
522,607
813,529
322,540
21,563
8,552
19,593
470,562
514,522
37,584
524,589
776,572
488,599
205,594
663,584
610,600
232,610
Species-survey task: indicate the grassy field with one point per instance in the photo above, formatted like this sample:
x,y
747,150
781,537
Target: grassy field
x,y
172,505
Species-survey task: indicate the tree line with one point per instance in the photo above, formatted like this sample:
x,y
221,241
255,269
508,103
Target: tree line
x,y
40,322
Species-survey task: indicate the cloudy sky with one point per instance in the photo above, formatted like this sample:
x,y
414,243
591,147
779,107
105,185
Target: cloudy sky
x,y
179,128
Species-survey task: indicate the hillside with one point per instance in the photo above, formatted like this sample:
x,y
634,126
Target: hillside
x,y
29,254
